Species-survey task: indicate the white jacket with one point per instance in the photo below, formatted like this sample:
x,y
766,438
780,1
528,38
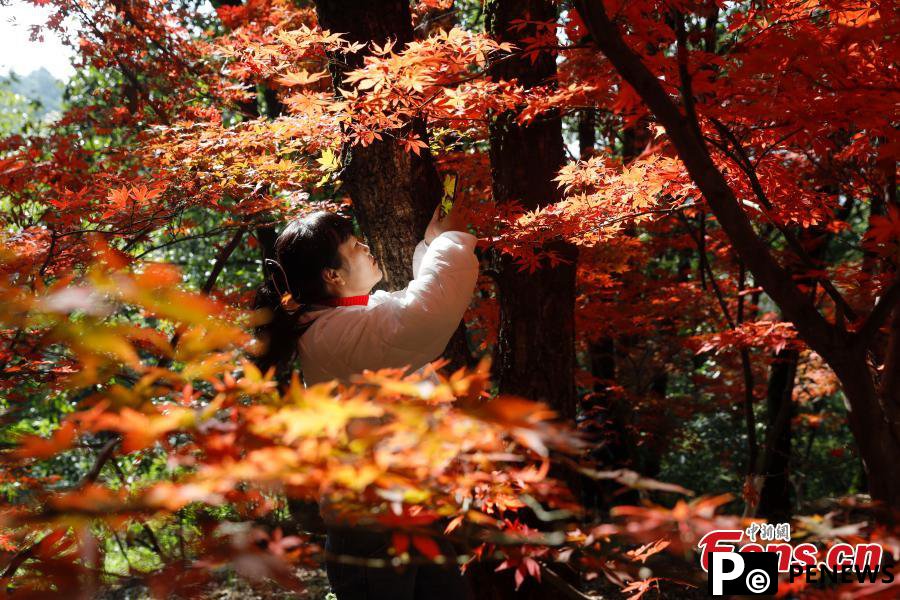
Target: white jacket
x,y
408,327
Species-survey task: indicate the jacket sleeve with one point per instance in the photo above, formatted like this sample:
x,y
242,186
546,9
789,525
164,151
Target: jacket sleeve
x,y
418,255
413,326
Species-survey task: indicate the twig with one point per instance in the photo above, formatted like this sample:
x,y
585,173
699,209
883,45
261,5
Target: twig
x,y
106,453
746,364
222,258
50,250
123,550
172,242
154,542
864,335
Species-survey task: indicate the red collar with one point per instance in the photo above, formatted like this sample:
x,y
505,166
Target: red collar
x,y
348,301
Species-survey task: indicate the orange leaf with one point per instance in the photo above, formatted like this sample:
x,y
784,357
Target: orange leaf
x,y
34,446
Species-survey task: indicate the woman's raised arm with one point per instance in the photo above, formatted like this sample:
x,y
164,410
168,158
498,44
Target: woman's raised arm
x,y
414,325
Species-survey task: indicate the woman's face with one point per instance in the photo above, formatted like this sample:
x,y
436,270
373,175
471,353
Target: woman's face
x,y
359,273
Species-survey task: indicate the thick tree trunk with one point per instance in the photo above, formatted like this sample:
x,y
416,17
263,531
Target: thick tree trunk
x,y
535,354
394,192
536,339
874,433
889,385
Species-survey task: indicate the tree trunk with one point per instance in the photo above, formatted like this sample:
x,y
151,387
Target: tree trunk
x,y
536,338
587,133
889,385
394,192
874,434
609,417
535,353
775,497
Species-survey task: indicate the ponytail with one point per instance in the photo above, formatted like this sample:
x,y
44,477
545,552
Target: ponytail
x,y
278,335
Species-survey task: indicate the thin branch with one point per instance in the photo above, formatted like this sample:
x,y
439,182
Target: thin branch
x,y
746,364
222,257
172,242
746,165
565,589
19,559
891,297
429,20
106,453
123,550
154,542
723,305
49,258
775,144
686,87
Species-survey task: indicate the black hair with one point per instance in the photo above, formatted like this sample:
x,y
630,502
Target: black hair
x,y
302,250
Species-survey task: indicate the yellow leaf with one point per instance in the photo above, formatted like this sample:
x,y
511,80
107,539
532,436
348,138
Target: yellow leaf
x,y
329,160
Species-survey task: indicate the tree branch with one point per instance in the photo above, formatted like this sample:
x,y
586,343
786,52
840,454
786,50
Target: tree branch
x,y
687,88
746,364
222,257
564,588
866,333
106,452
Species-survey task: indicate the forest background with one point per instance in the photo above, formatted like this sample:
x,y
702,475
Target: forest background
x,y
688,315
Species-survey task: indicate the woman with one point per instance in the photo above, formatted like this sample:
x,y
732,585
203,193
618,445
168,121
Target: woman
x,y
327,315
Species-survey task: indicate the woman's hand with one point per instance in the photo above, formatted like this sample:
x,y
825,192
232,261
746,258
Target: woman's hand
x,y
453,221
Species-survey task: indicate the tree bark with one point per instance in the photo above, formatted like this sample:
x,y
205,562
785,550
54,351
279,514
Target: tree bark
x,y
536,338
535,353
394,192
587,133
775,502
890,380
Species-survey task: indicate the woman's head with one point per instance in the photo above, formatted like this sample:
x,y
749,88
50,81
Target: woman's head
x,y
318,257
322,258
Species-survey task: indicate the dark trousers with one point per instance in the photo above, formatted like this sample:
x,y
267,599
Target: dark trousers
x,y
409,582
